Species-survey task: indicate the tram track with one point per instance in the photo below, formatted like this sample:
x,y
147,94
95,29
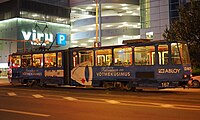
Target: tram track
x,y
157,96
101,100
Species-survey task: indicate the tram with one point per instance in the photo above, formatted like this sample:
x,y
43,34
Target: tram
x,y
160,64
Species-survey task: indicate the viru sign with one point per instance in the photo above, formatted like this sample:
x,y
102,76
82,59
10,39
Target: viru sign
x,y
35,35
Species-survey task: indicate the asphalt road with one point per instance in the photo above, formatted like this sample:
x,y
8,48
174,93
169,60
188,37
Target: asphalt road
x,y
26,103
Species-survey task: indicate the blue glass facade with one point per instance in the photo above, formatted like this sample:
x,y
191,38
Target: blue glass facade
x,y
173,8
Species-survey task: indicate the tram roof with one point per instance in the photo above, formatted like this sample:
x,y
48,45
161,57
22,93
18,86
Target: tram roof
x,y
134,42
147,41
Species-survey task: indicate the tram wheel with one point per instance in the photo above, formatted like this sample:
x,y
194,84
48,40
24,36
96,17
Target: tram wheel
x,y
127,87
31,83
106,85
131,88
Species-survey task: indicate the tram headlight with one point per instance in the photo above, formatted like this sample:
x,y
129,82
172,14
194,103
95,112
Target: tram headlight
x,y
185,76
191,75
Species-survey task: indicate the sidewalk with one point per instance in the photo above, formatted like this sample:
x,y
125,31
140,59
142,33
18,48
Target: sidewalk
x,y
182,89
4,81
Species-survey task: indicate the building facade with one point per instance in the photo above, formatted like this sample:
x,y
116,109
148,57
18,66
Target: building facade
x,y
29,24
156,16
120,20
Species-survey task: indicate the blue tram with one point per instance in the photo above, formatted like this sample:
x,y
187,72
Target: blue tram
x,y
160,64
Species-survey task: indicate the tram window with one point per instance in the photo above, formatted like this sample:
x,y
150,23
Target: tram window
x,y
86,58
144,55
184,54
103,57
16,61
163,54
123,56
26,61
59,64
38,60
175,53
75,59
50,60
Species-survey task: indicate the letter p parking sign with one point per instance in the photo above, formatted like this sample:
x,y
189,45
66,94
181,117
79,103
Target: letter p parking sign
x,y
61,39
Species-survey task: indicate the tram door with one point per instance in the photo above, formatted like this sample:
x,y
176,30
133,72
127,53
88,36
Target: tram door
x,y
67,66
162,55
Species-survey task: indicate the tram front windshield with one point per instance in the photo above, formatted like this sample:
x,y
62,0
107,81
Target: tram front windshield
x,y
180,54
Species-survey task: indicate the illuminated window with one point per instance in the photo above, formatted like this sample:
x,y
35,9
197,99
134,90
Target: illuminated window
x,y
59,64
145,55
38,60
86,58
50,59
26,61
16,61
123,56
184,53
180,53
163,54
175,53
103,57
75,59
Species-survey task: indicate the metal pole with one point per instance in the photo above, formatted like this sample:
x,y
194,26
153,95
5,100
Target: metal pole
x,y
10,47
24,46
99,23
96,44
